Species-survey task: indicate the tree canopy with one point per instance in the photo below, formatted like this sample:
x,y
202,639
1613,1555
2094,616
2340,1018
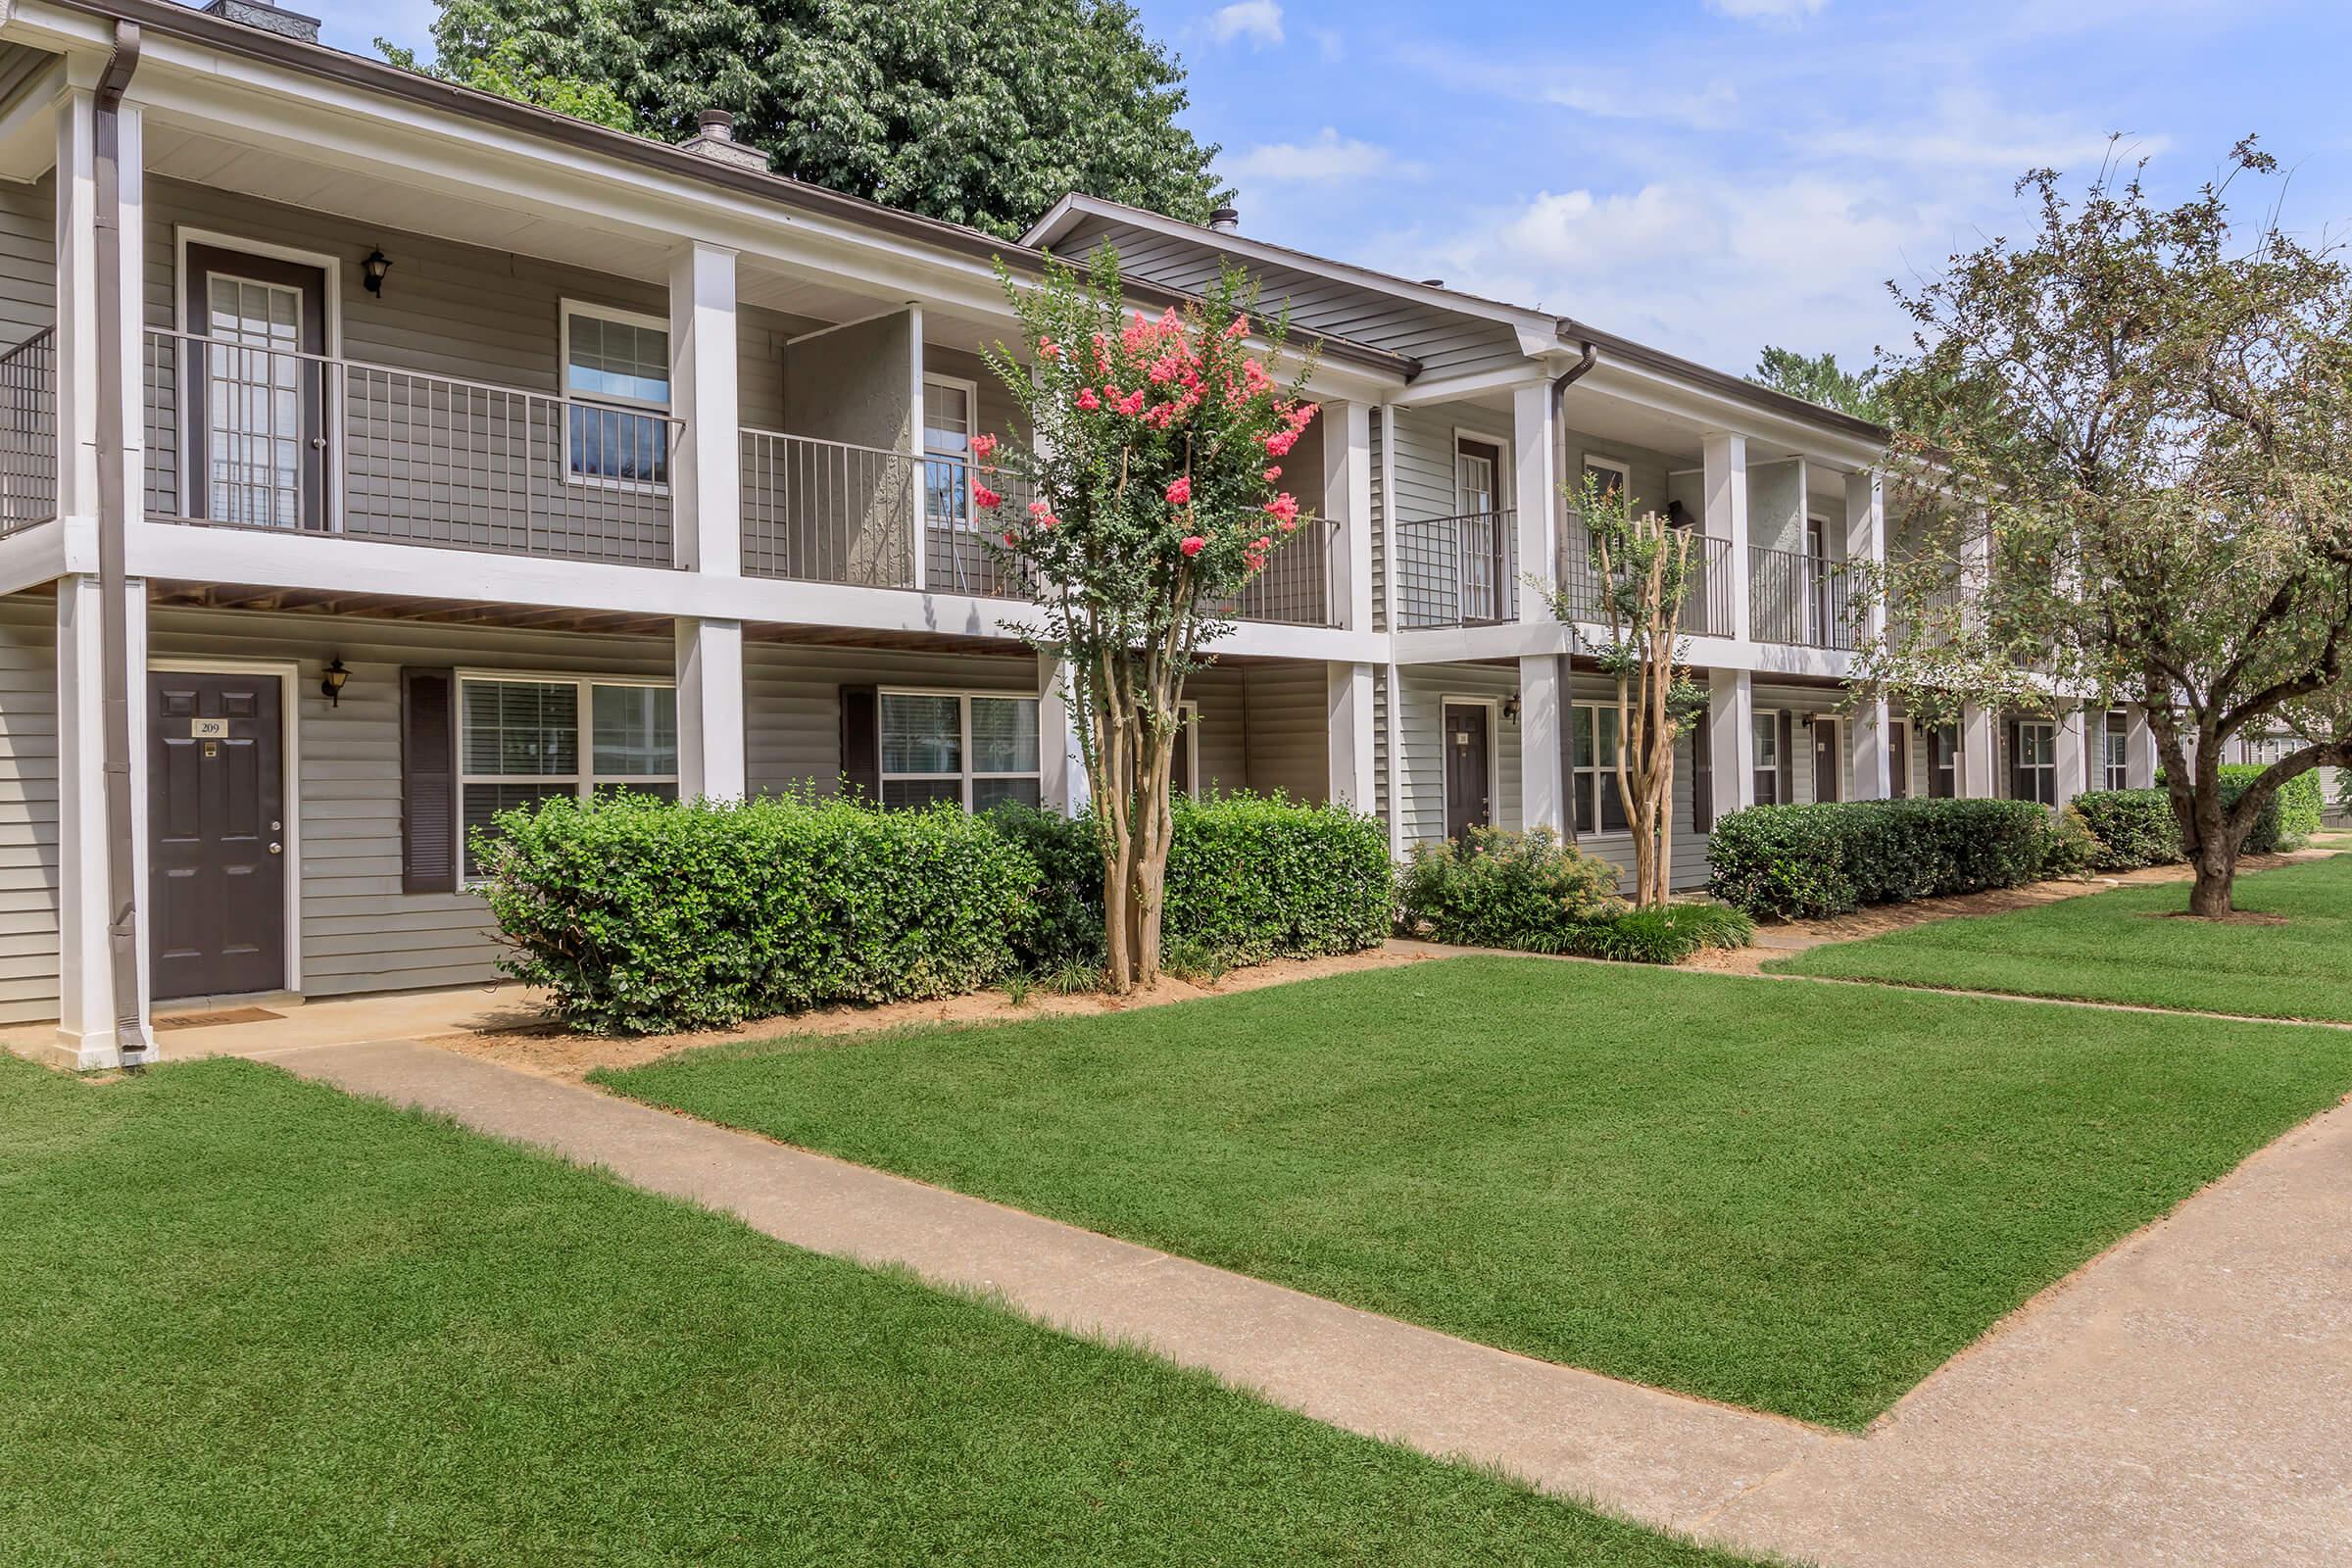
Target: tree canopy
x,y
1819,378
980,114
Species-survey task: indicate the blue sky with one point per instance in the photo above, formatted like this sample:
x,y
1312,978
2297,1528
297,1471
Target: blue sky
x,y
1711,175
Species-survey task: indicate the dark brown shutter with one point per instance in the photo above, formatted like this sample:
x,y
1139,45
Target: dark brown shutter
x,y
1702,777
861,743
1787,789
2017,764
429,780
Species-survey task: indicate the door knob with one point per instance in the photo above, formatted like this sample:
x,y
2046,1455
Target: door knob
x,y
278,849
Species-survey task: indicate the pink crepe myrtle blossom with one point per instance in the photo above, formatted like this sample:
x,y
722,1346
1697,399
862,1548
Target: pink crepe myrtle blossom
x,y
1132,404
1279,444
1192,545
1272,473
1042,514
1283,508
1047,349
1009,539
984,497
1261,544
1087,401
984,447
1238,328
1181,491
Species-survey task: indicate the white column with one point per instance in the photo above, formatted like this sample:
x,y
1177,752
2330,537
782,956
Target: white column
x,y
711,729
1980,755
76,333
1543,792
1536,488
1732,738
1061,758
1348,688
705,475
1385,522
1866,537
2073,753
1723,472
1347,502
2139,751
86,1026
917,523
1874,752
1393,675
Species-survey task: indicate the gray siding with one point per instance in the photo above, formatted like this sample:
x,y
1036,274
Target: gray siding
x,y
792,702
1421,785
1776,506
1686,847
1263,728
28,783
27,259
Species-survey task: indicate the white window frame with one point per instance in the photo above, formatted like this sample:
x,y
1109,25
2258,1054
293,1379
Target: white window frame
x,y
2115,749
2019,768
1187,736
970,522
970,775
1505,473
1622,469
1764,735
567,309
586,779
1604,776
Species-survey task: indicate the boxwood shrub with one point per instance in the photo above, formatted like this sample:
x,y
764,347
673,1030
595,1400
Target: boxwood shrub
x,y
2135,828
643,916
1536,894
1797,863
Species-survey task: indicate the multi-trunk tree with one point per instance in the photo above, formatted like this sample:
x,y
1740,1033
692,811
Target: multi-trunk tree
x,y
2127,443
1153,463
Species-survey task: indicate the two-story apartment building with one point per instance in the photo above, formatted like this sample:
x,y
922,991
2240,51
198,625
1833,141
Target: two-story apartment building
x,y
377,453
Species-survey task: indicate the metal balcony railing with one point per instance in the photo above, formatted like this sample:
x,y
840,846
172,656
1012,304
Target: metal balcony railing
x,y
1295,589
1707,600
28,432
827,511
1802,598
1459,572
256,435
957,558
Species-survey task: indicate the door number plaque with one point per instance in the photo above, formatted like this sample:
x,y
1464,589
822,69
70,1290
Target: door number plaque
x,y
208,729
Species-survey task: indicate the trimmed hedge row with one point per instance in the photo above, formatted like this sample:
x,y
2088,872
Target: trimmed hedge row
x,y
645,916
1535,892
1796,862
2135,828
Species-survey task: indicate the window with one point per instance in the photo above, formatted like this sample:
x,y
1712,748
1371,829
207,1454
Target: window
x,y
1943,773
1766,780
1609,474
2037,762
253,435
948,414
1477,477
1599,803
1184,768
2264,750
520,742
2114,747
614,363
974,749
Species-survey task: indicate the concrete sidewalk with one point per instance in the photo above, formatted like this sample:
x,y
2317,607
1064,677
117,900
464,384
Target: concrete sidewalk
x,y
2180,1402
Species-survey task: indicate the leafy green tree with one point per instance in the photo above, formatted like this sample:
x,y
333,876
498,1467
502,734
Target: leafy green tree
x,y
505,71
2128,437
1819,378
980,114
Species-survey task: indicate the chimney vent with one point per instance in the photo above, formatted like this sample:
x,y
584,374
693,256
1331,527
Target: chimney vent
x,y
714,138
267,18
1225,220
1433,282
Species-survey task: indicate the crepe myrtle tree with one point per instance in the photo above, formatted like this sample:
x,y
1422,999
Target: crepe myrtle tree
x,y
1150,475
2129,439
1642,567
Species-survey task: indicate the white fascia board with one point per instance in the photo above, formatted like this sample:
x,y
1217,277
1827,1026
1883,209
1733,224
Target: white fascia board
x,y
1432,390
33,556
1446,645
28,125
1789,659
1713,411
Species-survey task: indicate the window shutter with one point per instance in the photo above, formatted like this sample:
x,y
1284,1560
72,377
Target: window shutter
x,y
1788,780
2017,764
862,742
429,780
1702,778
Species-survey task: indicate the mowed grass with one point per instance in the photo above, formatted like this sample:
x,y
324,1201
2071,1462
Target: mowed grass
x,y
246,1320
1798,1198
2126,946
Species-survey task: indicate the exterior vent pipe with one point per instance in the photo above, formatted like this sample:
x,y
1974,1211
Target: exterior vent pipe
x,y
1225,220
114,614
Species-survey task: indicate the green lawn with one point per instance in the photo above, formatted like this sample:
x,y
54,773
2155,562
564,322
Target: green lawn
x,y
2121,947
1798,1198
247,1320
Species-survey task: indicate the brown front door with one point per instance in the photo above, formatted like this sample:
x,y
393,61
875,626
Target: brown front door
x,y
216,810
1469,786
1826,771
1898,758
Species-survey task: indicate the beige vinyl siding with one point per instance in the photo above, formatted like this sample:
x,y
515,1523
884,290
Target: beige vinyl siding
x,y
1422,690
1800,701
1446,342
792,702
29,784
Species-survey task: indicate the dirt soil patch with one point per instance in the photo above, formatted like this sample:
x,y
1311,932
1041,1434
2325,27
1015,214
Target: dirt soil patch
x,y
527,1039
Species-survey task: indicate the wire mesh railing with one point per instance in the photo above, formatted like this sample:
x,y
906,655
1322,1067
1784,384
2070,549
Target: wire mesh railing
x,y
1459,572
1800,599
1295,589
1707,600
28,432
820,511
255,435
957,553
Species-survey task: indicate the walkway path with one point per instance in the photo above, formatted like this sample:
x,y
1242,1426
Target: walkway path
x,y
2181,1401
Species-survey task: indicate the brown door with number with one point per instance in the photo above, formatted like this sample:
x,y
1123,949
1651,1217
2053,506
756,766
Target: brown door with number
x,y
1469,787
1827,774
216,812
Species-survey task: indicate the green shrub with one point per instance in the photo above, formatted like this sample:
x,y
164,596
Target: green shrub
x,y
2070,848
2291,817
1499,889
1064,935
2129,829
642,915
1795,862
1658,936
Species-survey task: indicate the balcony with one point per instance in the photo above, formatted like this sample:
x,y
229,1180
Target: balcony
x,y
1459,572
1707,600
1802,598
256,436
29,433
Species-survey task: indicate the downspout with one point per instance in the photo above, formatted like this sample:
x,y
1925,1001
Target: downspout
x,y
1560,384
114,619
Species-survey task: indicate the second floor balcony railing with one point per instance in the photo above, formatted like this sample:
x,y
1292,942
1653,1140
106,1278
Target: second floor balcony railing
x,y
1707,600
259,435
1457,572
1806,600
28,432
827,511
1295,589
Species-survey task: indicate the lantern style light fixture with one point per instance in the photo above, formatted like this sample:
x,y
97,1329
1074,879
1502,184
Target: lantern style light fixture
x,y
372,270
330,685
1510,709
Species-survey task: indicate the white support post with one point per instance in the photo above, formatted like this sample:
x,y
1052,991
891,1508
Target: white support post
x,y
87,1037
1385,522
1061,758
1866,538
1980,753
2139,751
1348,688
706,484
1542,791
1347,502
1723,472
1874,752
2073,753
1536,490
917,524
1732,738
76,334
1394,677
711,730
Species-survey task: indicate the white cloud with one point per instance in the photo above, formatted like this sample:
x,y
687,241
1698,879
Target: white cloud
x,y
1327,157
1259,20
1768,10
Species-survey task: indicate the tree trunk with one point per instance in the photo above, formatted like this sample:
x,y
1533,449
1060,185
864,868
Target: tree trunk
x,y
2217,876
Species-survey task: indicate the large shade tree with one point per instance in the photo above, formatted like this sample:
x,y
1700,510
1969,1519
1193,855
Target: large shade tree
x,y
2128,440
979,112
1144,495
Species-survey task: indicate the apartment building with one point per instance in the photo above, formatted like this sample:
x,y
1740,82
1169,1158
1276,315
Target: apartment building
x,y
449,454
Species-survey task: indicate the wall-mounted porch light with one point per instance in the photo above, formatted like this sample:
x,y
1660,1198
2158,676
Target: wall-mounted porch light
x,y
372,270
1510,709
330,685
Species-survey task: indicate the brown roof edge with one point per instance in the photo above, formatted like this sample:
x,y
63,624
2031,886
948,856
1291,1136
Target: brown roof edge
x,y
335,65
1620,348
